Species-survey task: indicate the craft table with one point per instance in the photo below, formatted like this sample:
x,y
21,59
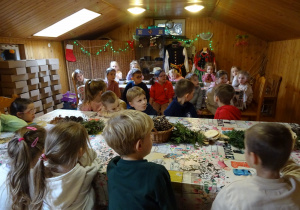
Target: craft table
x,y
196,173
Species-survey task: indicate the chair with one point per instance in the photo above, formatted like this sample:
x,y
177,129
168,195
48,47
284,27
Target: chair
x,y
74,84
254,109
270,99
6,102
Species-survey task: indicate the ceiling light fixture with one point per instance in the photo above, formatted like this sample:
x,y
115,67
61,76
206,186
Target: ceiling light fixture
x,y
68,23
136,10
194,8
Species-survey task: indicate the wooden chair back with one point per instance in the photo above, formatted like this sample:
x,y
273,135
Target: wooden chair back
x,y
273,85
255,85
5,102
75,88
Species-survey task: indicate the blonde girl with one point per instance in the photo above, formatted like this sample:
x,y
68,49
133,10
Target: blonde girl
x,y
79,78
65,171
244,85
234,76
209,76
93,92
23,151
174,76
115,65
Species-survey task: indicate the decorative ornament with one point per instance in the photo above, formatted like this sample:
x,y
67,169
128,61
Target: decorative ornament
x,y
11,51
131,44
241,40
69,53
169,24
206,36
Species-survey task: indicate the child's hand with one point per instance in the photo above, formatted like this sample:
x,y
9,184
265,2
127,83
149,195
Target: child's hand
x,y
199,112
228,82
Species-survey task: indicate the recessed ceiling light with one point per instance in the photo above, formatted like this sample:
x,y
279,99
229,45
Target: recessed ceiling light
x,y
136,10
68,23
194,8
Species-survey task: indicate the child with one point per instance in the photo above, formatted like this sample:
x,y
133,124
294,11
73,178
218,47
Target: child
x,y
223,95
246,87
136,98
161,92
111,83
174,76
93,92
180,106
110,104
234,76
64,173
133,65
23,108
134,183
137,80
209,76
23,150
79,78
221,78
277,184
198,94
114,65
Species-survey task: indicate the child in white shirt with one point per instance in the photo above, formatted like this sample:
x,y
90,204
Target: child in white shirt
x,y
246,87
277,184
234,76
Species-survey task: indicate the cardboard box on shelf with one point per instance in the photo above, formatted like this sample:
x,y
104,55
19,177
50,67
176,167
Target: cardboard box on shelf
x,y
33,81
55,92
24,95
39,108
32,69
33,87
32,75
35,98
58,106
45,90
44,84
53,67
41,62
34,92
52,61
47,100
13,71
57,101
37,103
38,114
43,73
52,72
50,109
54,77
14,78
12,64
45,95
57,97
10,91
31,63
55,82
55,87
18,84
44,68
45,79
46,106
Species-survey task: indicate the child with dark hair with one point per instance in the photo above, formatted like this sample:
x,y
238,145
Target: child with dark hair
x,y
180,106
268,147
223,95
137,80
23,151
23,108
111,83
64,173
133,182
136,98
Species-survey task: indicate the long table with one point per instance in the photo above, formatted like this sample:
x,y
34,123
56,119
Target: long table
x,y
196,173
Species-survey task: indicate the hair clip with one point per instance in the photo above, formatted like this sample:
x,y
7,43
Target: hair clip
x,y
43,157
32,128
35,142
20,139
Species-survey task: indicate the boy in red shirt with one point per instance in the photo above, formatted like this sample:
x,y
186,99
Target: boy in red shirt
x,y
223,95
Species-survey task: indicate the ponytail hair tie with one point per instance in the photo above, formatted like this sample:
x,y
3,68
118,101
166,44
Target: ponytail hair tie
x,y
21,139
35,142
43,157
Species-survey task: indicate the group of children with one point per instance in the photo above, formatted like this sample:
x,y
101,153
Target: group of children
x,y
55,169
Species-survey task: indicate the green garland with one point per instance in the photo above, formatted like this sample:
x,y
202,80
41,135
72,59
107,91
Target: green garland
x,y
182,134
236,138
93,127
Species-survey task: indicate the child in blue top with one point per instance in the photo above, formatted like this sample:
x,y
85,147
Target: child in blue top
x,y
133,182
137,80
136,98
180,106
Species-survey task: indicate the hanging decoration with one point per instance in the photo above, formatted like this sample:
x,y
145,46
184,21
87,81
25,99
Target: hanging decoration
x,y
241,40
103,48
69,53
11,51
131,44
205,36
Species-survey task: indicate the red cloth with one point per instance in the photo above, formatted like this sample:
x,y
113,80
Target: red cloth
x,y
114,87
162,93
228,112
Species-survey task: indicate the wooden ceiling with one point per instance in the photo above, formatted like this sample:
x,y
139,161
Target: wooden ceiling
x,y
270,20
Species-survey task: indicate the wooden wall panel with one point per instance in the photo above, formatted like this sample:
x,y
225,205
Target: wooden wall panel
x,y
283,60
39,50
223,41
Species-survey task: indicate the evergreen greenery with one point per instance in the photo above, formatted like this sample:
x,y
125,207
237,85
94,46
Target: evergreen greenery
x,y
236,138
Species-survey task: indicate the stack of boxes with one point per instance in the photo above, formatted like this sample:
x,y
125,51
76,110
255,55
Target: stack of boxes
x,y
34,79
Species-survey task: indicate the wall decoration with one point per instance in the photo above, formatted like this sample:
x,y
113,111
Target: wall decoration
x,y
241,40
174,27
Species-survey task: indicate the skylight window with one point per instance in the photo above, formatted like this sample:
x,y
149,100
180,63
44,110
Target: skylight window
x,y
68,23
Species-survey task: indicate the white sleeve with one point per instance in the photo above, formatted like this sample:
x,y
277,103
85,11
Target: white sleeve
x,y
186,60
167,62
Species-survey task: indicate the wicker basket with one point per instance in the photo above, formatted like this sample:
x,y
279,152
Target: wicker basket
x,y
161,136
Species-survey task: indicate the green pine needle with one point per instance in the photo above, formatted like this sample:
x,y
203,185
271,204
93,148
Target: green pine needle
x,y
93,127
236,138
